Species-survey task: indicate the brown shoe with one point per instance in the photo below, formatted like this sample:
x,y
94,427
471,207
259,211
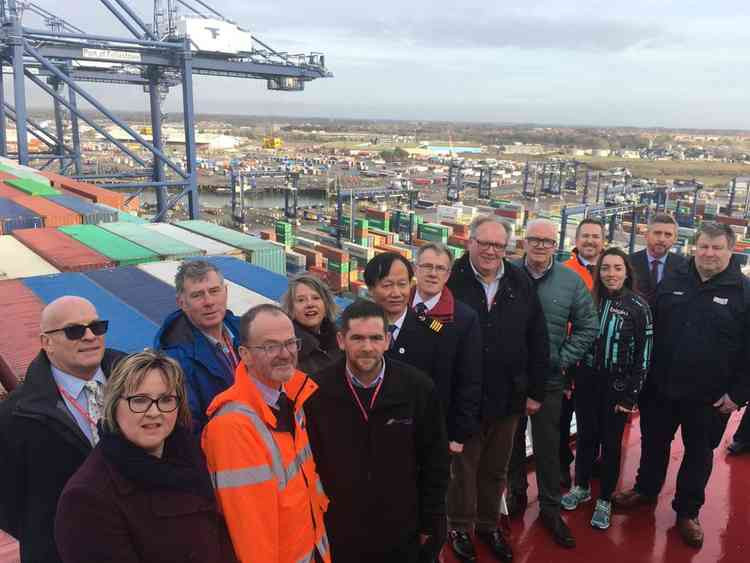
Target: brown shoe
x,y
691,531
631,499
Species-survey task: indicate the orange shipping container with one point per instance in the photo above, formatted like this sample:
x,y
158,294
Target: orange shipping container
x,y
19,339
54,215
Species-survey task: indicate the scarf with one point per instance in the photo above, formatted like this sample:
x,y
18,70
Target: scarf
x,y
182,466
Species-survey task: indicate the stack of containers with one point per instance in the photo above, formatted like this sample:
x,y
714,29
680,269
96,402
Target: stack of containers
x,y
93,193
266,234
14,216
32,187
17,261
295,262
52,214
91,213
124,216
337,267
209,246
262,253
114,247
19,340
448,213
313,258
434,232
20,171
63,252
284,233
166,247
378,219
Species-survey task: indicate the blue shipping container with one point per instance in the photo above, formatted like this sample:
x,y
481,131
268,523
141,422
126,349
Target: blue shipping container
x,y
91,213
14,216
151,297
128,330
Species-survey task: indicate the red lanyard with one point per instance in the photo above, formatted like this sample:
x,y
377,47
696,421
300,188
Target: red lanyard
x,y
77,406
229,345
356,397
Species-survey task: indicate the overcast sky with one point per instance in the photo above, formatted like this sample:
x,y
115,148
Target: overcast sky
x,y
670,63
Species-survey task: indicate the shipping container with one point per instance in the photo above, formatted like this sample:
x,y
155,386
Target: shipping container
x,y
52,214
239,299
90,192
17,261
151,297
19,171
91,213
9,191
114,247
14,216
207,245
19,339
32,187
168,248
124,216
257,251
128,330
254,278
63,252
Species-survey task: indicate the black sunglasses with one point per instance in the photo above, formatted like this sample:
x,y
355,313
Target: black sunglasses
x,y
76,332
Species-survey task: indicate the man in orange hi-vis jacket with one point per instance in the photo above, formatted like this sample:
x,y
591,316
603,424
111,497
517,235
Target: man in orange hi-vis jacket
x,y
258,452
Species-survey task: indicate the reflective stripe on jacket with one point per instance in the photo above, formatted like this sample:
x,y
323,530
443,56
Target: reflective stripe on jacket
x,y
265,480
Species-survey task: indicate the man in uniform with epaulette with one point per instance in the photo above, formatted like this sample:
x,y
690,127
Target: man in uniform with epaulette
x,y
432,332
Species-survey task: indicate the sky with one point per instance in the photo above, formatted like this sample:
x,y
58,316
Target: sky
x,y
643,63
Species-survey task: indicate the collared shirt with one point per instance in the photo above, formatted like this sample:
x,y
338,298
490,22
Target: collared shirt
x,y
74,386
429,303
221,346
270,394
583,261
374,383
490,289
533,273
660,261
398,322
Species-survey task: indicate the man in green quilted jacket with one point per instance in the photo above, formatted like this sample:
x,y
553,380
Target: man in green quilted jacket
x,y
572,325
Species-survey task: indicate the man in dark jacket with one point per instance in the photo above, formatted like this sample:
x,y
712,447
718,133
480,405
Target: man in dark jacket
x,y
47,425
202,336
515,370
572,327
377,432
436,334
700,373
656,262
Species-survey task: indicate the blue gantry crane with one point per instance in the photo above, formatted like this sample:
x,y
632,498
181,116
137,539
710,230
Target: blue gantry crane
x,y
156,56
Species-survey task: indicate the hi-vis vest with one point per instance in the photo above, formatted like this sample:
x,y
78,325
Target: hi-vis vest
x,y
265,481
580,269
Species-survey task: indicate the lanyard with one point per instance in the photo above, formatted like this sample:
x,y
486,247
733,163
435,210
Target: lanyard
x,y
356,397
77,406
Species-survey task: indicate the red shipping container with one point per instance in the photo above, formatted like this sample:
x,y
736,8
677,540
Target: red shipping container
x,y
314,259
92,192
268,235
19,335
54,215
9,191
63,252
335,254
7,176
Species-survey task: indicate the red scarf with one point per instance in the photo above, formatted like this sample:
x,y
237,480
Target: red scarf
x,y
443,310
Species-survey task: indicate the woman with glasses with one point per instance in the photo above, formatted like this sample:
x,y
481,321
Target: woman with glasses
x,y
144,494
609,380
310,305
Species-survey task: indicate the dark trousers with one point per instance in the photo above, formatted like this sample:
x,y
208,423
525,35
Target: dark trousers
x,y
598,423
479,476
566,419
545,437
743,431
702,427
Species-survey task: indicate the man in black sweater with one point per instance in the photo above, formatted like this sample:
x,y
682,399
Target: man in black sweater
x,y
378,435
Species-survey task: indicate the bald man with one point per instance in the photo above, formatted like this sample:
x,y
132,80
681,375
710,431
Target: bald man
x,y
48,424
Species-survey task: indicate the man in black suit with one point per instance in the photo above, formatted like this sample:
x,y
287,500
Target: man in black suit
x,y
377,432
433,332
655,262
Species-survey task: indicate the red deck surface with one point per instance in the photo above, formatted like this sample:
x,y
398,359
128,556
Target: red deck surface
x,y
645,535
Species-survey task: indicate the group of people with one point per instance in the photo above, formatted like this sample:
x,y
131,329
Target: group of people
x,y
303,433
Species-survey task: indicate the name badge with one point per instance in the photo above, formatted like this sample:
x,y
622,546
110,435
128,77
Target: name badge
x,y
721,300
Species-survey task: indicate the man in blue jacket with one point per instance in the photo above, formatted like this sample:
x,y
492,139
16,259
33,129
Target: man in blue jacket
x,y
202,335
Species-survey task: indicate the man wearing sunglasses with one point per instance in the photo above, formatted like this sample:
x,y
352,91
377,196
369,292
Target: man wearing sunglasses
x,y
572,327
48,424
515,366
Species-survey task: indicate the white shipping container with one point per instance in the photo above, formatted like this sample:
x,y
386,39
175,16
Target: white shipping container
x,y
210,246
20,262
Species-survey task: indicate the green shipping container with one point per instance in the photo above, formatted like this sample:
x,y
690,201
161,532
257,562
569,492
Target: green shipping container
x,y
342,267
166,247
32,187
257,251
114,247
20,172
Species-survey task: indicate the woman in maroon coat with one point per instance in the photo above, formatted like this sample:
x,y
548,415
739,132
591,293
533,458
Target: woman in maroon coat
x,y
144,494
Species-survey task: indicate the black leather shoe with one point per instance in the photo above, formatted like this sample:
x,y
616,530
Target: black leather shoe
x,y
737,448
516,505
560,531
498,545
462,546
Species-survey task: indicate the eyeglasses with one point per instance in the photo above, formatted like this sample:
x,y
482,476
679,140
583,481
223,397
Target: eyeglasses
x,y
140,404
76,332
293,345
429,268
486,245
543,242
